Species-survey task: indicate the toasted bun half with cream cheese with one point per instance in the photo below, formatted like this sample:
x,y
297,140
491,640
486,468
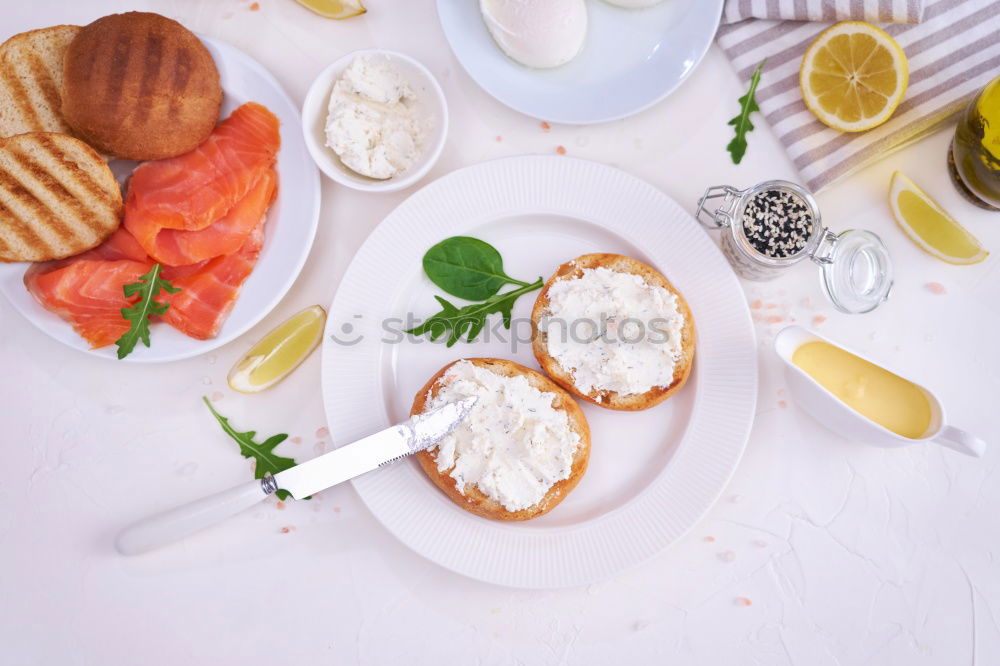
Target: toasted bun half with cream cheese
x,y
607,398
471,498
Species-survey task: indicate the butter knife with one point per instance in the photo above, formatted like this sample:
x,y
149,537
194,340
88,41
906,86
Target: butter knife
x,y
416,434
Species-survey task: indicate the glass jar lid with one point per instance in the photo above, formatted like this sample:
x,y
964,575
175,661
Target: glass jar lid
x,y
856,270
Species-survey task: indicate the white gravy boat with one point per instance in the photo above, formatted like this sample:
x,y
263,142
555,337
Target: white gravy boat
x,y
828,409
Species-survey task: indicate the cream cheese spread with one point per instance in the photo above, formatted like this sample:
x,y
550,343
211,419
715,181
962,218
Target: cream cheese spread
x,y
513,446
372,122
613,331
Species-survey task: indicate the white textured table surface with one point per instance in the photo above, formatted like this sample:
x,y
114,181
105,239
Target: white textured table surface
x,y
848,554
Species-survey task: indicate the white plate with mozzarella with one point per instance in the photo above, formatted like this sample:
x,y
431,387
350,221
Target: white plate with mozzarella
x,y
628,60
652,474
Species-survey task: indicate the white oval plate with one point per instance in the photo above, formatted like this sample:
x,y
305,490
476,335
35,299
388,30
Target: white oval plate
x,y
652,474
631,59
288,234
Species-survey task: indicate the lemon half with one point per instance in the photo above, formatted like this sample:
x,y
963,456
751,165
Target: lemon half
x,y
279,352
335,9
853,76
930,226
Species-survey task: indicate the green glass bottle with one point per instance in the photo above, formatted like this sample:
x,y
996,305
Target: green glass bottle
x,y
975,151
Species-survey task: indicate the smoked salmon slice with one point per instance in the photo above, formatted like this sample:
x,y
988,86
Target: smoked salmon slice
x,y
178,247
207,295
88,294
193,190
200,215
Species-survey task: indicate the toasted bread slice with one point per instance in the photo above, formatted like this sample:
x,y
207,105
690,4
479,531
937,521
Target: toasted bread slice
x,y
607,398
31,79
140,86
57,197
470,497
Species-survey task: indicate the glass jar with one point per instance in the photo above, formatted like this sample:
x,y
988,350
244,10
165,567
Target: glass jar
x,y
855,268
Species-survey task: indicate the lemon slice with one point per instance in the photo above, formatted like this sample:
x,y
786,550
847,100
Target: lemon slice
x,y
930,226
335,9
853,76
279,352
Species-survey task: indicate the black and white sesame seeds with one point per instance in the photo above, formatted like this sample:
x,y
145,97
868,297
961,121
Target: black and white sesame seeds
x,y
777,223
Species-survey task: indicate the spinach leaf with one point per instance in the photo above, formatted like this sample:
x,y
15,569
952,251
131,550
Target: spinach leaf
x,y
467,268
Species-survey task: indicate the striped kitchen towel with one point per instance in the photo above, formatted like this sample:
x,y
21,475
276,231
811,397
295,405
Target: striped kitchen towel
x,y
953,51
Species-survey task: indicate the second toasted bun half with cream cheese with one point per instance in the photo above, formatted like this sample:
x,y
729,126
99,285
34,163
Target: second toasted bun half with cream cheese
x,y
563,376
471,498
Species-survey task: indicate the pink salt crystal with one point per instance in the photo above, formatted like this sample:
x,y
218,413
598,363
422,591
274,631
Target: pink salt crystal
x,y
743,601
279,505
286,530
322,432
775,319
545,126
936,288
756,305
782,404
296,440
818,319
710,539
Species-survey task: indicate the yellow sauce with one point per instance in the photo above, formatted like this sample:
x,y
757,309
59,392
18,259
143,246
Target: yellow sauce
x,y
877,394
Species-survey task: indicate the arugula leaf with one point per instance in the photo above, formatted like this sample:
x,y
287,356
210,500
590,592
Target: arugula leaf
x,y
262,452
738,146
467,267
470,320
148,287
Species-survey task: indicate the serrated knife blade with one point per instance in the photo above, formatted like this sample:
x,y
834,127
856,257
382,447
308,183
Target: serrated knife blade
x,y
364,455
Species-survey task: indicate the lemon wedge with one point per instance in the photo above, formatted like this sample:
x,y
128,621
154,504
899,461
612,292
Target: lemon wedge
x,y
279,352
930,226
853,76
335,9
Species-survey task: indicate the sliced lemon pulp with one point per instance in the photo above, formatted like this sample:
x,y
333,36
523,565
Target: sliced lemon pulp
x,y
853,76
930,226
335,9
279,352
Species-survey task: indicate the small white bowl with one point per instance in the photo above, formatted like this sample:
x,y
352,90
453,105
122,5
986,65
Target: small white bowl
x,y
432,105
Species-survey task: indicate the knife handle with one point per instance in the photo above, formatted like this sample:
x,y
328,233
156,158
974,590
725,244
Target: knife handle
x,y
187,519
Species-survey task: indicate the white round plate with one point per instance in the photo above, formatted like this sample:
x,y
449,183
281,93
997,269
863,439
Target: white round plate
x,y
288,233
652,474
631,59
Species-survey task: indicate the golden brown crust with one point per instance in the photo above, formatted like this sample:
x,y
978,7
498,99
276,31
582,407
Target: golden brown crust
x,y
475,501
140,86
613,399
57,197
31,73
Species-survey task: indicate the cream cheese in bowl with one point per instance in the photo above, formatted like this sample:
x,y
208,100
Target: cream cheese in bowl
x,y
372,122
375,120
